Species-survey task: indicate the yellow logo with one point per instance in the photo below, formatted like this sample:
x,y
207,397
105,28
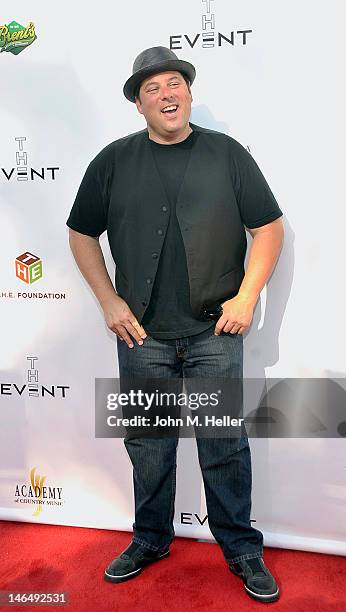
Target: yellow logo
x,y
37,493
37,483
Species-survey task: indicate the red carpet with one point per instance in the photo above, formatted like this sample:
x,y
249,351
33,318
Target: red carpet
x,y
51,558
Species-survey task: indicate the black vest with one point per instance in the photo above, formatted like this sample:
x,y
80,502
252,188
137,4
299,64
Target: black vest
x,y
207,212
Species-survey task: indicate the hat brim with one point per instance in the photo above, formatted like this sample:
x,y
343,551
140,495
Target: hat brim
x,y
132,83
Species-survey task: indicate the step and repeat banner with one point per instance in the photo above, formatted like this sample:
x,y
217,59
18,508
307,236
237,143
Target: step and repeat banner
x,y
270,77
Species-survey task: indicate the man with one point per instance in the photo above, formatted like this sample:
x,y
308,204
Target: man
x,y
175,199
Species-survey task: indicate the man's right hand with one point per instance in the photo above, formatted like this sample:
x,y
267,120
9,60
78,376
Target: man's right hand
x,y
122,321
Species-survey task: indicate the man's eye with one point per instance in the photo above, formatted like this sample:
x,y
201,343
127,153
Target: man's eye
x,y
174,83
151,90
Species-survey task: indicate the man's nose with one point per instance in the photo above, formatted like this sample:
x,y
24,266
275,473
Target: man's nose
x,y
165,93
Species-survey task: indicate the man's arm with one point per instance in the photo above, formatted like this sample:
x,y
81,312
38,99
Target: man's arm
x,y
265,249
89,258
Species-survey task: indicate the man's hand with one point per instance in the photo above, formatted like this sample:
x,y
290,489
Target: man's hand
x,y
122,321
236,317
266,245
118,316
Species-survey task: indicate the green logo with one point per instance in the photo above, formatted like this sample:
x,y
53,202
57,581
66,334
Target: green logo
x,y
15,37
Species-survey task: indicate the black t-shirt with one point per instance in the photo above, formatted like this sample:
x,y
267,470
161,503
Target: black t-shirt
x,y
169,313
256,203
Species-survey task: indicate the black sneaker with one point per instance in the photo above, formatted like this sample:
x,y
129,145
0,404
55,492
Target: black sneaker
x,y
258,581
132,561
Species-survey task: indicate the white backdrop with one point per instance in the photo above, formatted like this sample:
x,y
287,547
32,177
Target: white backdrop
x,y
280,94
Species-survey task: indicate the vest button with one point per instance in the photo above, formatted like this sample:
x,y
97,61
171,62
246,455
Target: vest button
x,y
149,281
154,255
160,232
164,208
144,303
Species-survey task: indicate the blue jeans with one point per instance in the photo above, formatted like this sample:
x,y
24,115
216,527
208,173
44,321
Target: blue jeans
x,y
225,462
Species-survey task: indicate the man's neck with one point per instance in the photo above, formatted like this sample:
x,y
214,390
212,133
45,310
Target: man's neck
x,y
170,138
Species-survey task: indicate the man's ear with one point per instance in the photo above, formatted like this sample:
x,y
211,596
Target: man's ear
x,y
139,106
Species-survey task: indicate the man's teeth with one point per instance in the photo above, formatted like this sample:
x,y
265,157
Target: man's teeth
x,y
169,108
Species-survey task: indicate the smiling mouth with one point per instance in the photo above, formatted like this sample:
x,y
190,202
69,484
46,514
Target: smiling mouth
x,y
170,110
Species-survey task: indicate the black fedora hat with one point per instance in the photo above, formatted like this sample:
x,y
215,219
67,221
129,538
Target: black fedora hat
x,y
152,61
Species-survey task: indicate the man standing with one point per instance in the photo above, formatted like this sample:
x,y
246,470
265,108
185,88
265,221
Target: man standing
x,y
175,200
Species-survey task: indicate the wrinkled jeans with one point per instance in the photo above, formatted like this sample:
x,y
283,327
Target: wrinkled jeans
x,y
225,462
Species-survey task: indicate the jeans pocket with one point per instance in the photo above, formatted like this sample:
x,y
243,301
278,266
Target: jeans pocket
x,y
243,442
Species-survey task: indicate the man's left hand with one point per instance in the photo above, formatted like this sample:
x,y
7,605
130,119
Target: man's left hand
x,y
236,317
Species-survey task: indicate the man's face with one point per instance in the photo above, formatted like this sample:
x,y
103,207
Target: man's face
x,y
162,91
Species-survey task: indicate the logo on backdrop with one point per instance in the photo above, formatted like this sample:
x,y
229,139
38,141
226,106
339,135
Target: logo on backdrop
x,y
14,37
209,37
21,171
189,518
33,388
28,269
36,493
